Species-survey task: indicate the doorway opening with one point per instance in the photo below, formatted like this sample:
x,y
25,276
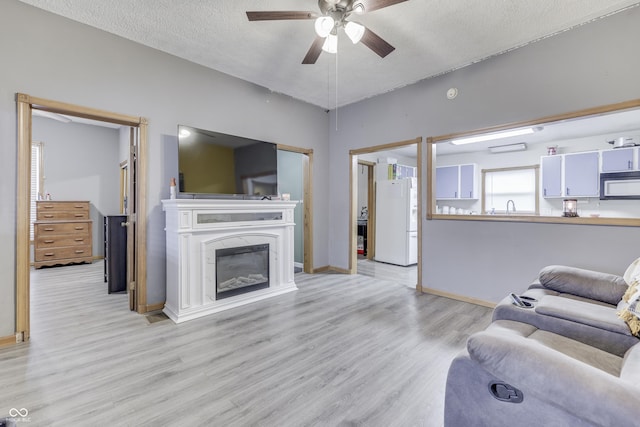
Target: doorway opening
x,y
136,200
372,170
296,180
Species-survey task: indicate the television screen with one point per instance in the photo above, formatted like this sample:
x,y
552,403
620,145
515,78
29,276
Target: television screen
x,y
213,163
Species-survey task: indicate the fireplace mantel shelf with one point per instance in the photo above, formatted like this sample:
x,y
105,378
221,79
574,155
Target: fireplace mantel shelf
x,y
195,229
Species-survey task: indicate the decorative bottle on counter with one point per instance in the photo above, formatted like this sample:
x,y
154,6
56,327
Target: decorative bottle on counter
x,y
172,189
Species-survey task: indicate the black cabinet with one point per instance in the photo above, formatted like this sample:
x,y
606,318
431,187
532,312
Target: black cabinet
x,y
362,236
115,253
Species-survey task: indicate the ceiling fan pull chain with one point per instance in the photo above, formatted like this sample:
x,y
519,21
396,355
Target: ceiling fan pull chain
x,y
336,102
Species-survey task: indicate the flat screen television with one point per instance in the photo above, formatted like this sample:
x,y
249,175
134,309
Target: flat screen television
x,y
214,164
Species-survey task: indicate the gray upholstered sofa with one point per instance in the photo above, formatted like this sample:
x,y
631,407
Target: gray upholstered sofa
x,y
566,360
576,303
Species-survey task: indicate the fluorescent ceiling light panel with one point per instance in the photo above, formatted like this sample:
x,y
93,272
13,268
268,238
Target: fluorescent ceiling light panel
x,y
492,136
521,146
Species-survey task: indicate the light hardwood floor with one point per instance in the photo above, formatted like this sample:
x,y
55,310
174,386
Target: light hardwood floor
x,y
341,351
407,276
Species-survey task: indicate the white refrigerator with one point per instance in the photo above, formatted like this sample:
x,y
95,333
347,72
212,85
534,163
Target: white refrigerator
x,y
397,221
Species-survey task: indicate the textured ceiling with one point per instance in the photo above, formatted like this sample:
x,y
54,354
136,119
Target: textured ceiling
x,y
431,37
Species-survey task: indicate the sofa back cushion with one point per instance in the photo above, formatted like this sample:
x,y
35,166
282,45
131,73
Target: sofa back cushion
x,y
595,285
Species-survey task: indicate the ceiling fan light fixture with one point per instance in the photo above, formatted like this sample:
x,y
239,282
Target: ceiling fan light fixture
x,y
330,44
355,31
324,25
358,8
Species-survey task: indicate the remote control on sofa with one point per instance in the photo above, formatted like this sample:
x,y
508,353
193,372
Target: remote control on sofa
x,y
517,301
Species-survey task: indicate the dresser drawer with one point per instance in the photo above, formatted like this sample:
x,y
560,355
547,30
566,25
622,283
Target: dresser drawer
x,y
53,228
61,215
61,206
51,211
62,253
47,242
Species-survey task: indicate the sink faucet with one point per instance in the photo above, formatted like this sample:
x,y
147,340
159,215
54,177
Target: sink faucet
x,y
512,204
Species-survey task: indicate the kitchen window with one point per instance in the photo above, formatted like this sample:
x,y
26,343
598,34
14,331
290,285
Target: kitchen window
x,y
510,191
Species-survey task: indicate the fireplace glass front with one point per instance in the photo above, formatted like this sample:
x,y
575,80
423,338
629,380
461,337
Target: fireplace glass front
x,y
241,269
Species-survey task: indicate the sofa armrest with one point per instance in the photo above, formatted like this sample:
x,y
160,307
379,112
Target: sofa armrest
x,y
595,285
580,389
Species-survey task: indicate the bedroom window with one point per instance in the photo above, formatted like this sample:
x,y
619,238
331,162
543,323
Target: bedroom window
x,y
517,186
37,181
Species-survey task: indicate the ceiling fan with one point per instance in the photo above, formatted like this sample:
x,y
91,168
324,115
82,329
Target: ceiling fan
x,y
333,15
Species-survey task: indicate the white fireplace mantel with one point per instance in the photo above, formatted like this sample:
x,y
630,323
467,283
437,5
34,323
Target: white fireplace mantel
x,y
196,228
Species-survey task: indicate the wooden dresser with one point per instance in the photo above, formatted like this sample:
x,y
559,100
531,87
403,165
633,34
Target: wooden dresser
x,y
62,233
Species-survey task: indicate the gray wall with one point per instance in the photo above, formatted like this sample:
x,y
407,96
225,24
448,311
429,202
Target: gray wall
x,y
51,57
81,163
574,70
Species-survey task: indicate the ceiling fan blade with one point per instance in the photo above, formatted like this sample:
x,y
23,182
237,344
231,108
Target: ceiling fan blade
x,y
314,51
371,5
376,43
279,15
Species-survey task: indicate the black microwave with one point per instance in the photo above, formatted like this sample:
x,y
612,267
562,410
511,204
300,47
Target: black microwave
x,y
620,186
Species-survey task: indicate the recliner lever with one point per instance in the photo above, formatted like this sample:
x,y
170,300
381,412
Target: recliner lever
x,y
505,392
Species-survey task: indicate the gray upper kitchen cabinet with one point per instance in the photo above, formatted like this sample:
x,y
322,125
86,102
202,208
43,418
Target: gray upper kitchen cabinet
x,y
467,181
617,160
581,176
551,176
447,182
456,182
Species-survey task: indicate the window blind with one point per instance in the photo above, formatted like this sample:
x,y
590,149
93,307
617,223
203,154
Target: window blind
x,y
36,181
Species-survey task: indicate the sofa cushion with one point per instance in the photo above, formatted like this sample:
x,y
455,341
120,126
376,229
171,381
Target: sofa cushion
x,y
595,285
482,349
544,366
595,315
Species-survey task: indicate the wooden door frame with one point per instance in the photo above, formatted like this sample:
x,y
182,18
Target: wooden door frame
x,y
25,105
307,202
124,188
353,192
371,207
